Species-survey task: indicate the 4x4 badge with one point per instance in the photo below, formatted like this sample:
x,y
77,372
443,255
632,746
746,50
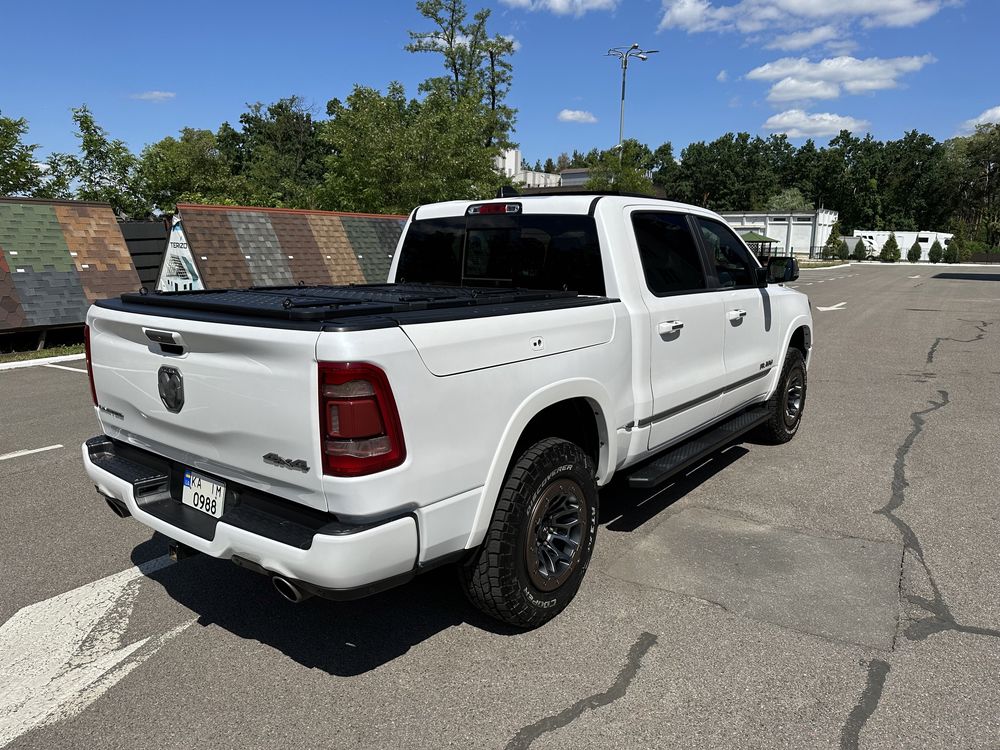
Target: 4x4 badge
x,y
170,384
298,464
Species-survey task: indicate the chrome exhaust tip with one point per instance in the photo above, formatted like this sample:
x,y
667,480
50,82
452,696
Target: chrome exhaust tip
x,y
289,590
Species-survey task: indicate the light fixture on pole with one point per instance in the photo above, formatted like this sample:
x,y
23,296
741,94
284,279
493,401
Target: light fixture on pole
x,y
624,54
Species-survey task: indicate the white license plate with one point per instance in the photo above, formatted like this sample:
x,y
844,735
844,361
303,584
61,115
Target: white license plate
x,y
203,494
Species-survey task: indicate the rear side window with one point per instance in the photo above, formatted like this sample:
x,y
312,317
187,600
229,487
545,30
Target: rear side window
x,y
733,265
533,251
669,255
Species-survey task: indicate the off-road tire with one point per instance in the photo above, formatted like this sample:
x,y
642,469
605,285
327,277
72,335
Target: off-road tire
x,y
785,407
552,474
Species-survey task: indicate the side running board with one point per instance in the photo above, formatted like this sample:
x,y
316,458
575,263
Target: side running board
x,y
676,459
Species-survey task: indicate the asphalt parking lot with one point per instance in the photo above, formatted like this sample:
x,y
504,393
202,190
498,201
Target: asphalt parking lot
x,y
839,591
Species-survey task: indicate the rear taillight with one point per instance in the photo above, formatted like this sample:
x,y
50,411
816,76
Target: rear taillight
x,y
90,366
358,423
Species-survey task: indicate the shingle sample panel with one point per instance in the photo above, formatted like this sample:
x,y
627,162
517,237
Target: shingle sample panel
x,y
373,241
98,250
215,248
241,246
51,298
11,312
32,238
338,255
299,245
261,249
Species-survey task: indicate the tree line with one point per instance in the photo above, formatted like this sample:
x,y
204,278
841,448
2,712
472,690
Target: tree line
x,y
386,152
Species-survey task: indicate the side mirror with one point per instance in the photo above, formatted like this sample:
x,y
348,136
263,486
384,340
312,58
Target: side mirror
x,y
782,270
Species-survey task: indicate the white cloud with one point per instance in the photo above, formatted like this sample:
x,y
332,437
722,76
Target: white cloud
x,y
155,96
795,90
800,79
752,16
796,123
563,7
722,77
992,115
510,38
576,115
805,39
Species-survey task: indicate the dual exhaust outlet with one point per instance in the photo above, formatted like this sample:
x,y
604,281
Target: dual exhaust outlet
x,y
288,588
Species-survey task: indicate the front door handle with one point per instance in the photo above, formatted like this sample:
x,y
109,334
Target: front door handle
x,y
737,314
669,326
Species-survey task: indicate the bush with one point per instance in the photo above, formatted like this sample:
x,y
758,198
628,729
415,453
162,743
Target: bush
x,y
914,253
951,251
936,253
860,251
890,250
843,251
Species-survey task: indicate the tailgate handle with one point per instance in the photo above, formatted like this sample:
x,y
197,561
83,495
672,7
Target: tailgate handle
x,y
169,342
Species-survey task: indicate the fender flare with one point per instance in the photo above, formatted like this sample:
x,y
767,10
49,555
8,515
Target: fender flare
x,y
799,321
585,388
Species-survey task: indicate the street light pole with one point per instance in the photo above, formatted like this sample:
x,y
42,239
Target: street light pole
x,y
624,54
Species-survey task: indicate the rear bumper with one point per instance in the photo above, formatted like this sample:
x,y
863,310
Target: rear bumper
x,y
274,536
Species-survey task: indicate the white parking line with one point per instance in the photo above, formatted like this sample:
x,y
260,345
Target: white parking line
x,y
60,655
71,369
18,454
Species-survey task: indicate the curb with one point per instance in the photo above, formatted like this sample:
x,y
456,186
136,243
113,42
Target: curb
x,y
40,361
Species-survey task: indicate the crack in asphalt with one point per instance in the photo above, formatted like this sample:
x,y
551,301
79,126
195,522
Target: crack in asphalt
x,y
981,326
940,618
532,732
878,670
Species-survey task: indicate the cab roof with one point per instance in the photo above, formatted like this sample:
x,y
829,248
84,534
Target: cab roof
x,y
560,203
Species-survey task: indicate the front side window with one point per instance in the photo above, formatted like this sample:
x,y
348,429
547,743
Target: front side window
x,y
733,265
528,251
669,255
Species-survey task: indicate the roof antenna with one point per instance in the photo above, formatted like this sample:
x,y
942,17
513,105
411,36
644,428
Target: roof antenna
x,y
507,191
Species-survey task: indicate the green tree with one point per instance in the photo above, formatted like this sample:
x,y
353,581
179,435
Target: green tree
x,y
549,167
629,173
390,153
20,173
950,254
478,65
189,168
832,247
843,251
104,170
860,250
788,200
890,250
666,171
935,254
914,253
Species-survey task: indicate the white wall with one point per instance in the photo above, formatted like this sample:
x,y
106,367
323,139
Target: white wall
x,y
874,240
800,232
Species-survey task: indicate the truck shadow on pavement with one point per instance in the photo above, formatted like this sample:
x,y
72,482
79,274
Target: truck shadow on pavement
x,y
354,637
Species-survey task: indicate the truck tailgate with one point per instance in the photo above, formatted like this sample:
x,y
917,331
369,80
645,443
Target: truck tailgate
x,y
248,391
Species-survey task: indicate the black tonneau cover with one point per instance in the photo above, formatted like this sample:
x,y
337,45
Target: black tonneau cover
x,y
346,307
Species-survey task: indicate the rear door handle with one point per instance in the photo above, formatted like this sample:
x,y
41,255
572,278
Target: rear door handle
x,y
669,326
737,314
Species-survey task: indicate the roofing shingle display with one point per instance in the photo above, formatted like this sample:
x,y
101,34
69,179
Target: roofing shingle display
x,y
56,257
242,246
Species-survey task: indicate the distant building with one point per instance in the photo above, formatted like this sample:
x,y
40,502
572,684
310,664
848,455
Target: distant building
x,y
802,233
874,240
510,165
577,177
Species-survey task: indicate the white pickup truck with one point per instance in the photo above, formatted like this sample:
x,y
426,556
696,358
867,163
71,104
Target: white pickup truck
x,y
526,350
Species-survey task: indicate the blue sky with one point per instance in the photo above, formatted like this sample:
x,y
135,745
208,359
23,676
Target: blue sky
x,y
806,67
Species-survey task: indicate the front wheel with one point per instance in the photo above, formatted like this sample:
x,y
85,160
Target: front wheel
x,y
786,405
541,537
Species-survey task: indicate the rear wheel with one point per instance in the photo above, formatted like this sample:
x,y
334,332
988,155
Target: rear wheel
x,y
786,405
541,537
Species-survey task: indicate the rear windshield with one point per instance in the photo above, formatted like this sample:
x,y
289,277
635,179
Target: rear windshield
x,y
534,251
